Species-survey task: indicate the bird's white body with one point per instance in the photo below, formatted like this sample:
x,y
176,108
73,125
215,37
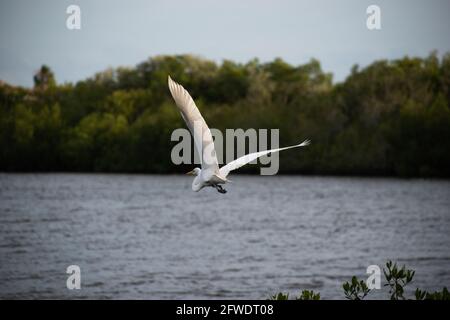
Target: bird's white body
x,y
206,179
210,175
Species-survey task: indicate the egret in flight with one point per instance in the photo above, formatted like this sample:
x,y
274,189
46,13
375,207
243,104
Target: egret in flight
x,y
209,175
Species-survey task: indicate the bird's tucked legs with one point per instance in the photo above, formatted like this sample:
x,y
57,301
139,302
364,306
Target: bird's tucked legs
x,y
220,189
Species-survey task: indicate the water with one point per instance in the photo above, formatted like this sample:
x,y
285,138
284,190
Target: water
x,y
151,237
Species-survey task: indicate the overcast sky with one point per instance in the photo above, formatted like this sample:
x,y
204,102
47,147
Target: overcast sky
x,y
124,33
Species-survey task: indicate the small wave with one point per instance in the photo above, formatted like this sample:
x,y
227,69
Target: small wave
x,y
94,284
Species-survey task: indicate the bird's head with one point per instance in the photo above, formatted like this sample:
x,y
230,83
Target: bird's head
x,y
194,172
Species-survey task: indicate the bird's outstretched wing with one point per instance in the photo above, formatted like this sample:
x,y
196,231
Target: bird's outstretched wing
x,y
242,161
203,140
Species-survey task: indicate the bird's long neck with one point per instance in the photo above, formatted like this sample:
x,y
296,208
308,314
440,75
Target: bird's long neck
x,y
197,183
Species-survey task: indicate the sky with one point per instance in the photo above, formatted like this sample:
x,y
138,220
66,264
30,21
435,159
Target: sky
x,y
125,33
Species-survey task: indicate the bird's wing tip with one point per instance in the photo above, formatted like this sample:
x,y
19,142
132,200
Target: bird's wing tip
x,y
305,143
172,84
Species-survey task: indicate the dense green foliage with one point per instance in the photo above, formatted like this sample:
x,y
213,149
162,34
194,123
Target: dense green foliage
x,y
396,279
390,118
355,289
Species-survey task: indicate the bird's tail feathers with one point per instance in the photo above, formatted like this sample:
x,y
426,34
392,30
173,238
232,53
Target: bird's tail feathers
x,y
222,179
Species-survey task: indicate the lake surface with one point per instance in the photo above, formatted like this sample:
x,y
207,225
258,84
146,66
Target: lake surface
x,y
151,237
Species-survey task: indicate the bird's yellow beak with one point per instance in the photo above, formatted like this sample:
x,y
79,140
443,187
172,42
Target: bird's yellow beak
x,y
190,173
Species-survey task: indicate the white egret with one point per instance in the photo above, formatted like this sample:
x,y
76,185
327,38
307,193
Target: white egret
x,y
210,175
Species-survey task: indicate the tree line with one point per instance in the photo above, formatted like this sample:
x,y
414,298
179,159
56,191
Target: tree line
x,y
389,118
